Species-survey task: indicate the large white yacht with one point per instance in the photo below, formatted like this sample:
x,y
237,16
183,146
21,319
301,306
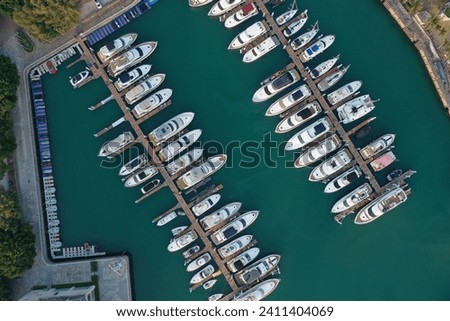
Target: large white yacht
x,y
170,128
184,161
131,57
296,96
206,204
331,165
355,109
353,198
261,49
248,35
315,153
332,79
152,102
275,86
179,145
316,48
343,92
234,246
197,174
243,259
377,146
381,205
246,12
129,78
202,274
258,270
144,88
141,176
344,179
300,117
134,164
295,26
116,46
305,38
309,134
234,227
116,144
182,241
220,215
323,68
223,6
259,291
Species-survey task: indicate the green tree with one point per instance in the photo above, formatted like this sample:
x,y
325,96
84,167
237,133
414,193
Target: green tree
x,y
7,7
47,19
9,212
17,251
9,81
5,293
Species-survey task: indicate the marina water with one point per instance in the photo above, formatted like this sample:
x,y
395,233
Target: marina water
x,y
402,256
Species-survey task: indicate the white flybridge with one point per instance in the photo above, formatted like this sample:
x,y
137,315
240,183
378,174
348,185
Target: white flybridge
x,y
355,109
223,6
261,49
296,96
331,165
144,88
116,46
300,117
170,128
315,153
126,80
353,198
309,134
197,174
152,102
131,57
317,48
248,35
343,92
275,86
179,145
116,144
246,12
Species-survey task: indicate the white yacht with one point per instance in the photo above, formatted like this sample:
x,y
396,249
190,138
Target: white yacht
x,y
305,38
129,78
220,215
152,102
178,146
199,3
170,128
133,165
198,262
182,241
117,144
202,274
79,78
248,35
234,227
377,146
144,88
300,117
131,57
288,15
147,188
309,134
243,259
316,48
184,161
322,68
381,205
295,26
344,179
275,86
332,79
141,176
261,49
116,46
315,153
246,12
353,198
223,6
234,246
259,291
205,204
169,217
331,166
343,92
197,174
355,109
258,270
294,97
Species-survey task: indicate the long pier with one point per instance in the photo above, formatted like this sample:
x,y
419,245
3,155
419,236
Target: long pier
x,y
98,71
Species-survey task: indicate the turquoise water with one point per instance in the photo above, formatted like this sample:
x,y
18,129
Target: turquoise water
x,y
402,256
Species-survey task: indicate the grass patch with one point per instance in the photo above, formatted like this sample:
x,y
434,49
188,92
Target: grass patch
x,y
24,41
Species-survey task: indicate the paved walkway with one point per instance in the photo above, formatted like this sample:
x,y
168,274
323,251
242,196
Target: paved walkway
x,y
44,272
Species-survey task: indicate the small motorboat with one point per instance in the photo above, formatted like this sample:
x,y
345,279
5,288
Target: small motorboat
x,y
133,165
215,297
295,26
300,117
353,198
191,251
377,146
198,262
243,259
305,38
150,186
258,270
332,79
177,230
205,204
169,217
288,15
323,67
209,284
79,78
182,241
331,166
199,3
383,161
344,179
394,174
202,274
141,176
234,246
